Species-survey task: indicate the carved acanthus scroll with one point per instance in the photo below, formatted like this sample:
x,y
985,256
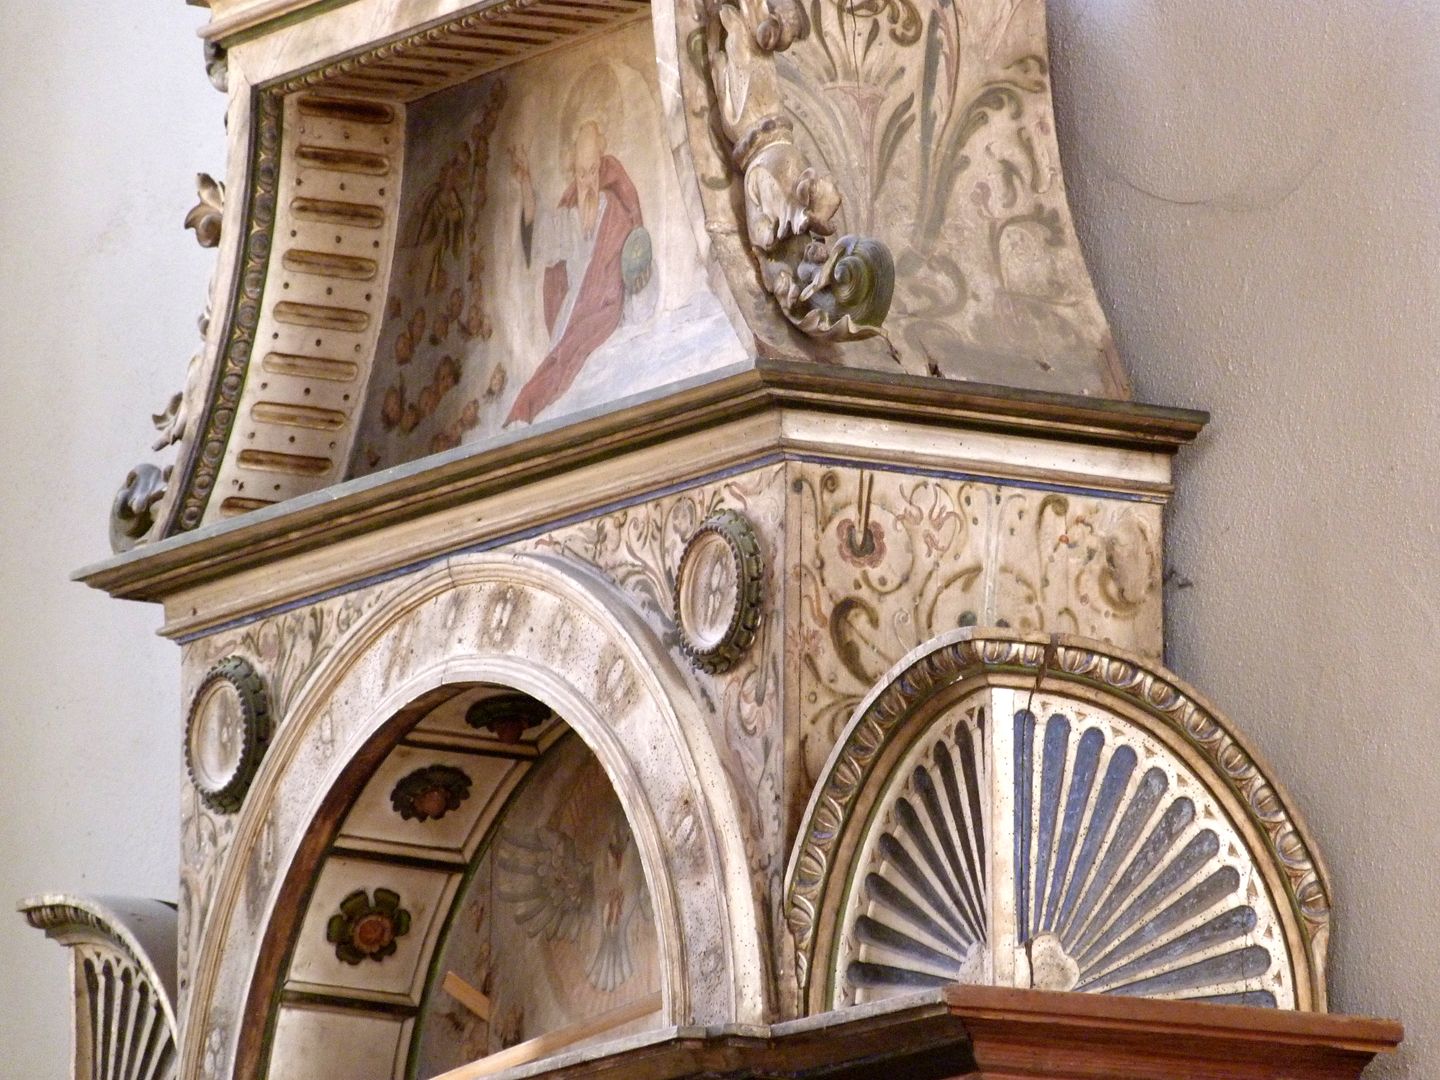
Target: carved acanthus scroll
x,y
830,289
206,215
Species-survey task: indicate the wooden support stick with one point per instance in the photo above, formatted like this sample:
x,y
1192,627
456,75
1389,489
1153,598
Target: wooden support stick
x,y
554,1041
467,995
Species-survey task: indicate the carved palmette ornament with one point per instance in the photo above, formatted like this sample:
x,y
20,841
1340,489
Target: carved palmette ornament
x,y
123,956
227,733
829,289
1010,811
719,591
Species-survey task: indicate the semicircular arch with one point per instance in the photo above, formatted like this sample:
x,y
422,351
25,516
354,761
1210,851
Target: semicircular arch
x,y
566,637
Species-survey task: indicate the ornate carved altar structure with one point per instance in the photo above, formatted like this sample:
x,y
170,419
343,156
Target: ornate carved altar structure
x,y
668,577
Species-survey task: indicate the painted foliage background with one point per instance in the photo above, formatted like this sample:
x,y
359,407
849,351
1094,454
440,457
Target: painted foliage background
x,y
935,121
555,924
466,327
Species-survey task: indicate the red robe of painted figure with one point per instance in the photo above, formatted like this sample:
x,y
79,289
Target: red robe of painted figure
x,y
601,301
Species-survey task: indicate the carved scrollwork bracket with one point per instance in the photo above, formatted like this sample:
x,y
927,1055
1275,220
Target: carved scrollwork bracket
x,y
132,514
831,289
206,215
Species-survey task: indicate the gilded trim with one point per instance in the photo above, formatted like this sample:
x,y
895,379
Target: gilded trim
x,y
743,546
233,361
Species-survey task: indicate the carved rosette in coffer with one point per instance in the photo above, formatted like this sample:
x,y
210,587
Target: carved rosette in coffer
x,y
1021,812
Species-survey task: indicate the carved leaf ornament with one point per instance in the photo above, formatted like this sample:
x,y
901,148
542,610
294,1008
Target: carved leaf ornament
x,y
206,215
830,289
1040,814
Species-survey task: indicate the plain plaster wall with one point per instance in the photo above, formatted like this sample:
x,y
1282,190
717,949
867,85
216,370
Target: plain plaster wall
x,y
105,117
1256,183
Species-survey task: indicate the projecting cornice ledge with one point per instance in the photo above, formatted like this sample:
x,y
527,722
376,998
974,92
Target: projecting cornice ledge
x,y
737,417
230,18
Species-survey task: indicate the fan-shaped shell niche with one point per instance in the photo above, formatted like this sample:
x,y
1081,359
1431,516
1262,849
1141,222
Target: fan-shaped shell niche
x,y
1084,825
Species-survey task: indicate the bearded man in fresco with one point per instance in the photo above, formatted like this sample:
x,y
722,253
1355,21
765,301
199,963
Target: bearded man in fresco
x,y
592,246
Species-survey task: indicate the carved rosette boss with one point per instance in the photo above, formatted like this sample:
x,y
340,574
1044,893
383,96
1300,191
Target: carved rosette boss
x,y
719,591
227,733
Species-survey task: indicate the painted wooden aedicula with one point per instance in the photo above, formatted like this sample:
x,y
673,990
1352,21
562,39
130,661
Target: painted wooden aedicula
x,y
517,303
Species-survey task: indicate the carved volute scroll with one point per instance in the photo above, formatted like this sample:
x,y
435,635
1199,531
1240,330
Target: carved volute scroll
x,y
123,967
829,289
925,124
1048,813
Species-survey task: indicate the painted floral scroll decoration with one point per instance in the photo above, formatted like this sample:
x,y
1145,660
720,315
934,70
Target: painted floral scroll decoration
x,y
365,930
832,289
430,793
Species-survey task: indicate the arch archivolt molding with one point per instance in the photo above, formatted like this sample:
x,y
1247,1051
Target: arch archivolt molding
x,y
568,638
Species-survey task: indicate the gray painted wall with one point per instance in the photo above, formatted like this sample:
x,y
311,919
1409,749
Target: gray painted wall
x,y
1257,185
1257,188
106,116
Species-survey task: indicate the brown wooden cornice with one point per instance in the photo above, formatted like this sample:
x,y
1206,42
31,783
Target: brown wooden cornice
x,y
992,1033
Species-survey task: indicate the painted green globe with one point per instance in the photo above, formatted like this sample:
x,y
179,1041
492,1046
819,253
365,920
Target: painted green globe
x,y
635,259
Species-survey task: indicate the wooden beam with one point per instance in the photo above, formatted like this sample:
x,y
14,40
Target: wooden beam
x,y
467,995
553,1042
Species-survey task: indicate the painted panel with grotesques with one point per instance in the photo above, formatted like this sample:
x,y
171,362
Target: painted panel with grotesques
x,y
936,122
891,559
285,649
639,548
555,924
545,263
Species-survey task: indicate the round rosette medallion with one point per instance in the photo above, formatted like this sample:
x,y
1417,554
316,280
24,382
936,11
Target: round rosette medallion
x,y
226,733
719,591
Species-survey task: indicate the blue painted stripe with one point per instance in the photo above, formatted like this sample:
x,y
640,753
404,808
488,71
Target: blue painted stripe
x,y
1250,962
957,913
1024,772
975,477
904,864
1052,779
1112,789
1137,815
967,875
862,974
1203,847
1163,837
1201,898
970,769
870,931
885,895
1082,780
